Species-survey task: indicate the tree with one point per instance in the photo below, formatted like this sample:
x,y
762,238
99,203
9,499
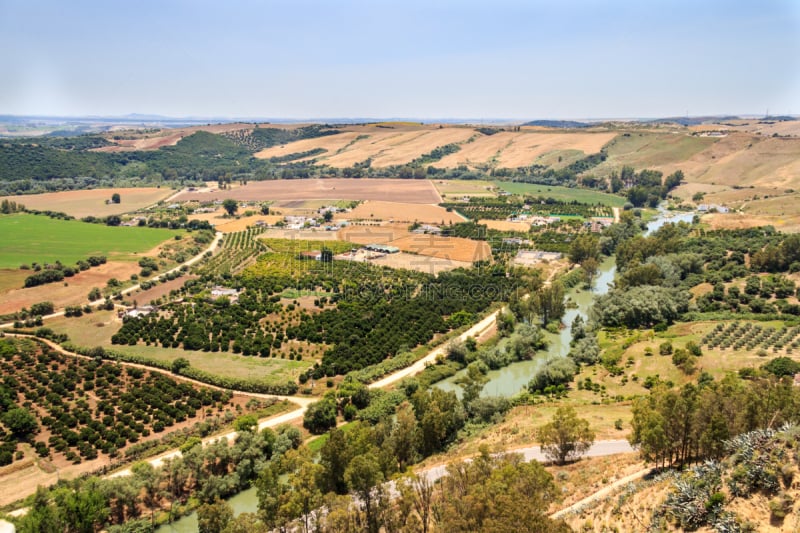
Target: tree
x,y
566,437
584,247
548,302
320,416
590,266
20,422
231,206
115,199
214,517
328,216
246,423
363,476
179,364
265,209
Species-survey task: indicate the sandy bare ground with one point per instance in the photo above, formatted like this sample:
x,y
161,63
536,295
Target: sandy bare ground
x,y
92,202
401,212
420,263
454,248
788,224
373,234
389,190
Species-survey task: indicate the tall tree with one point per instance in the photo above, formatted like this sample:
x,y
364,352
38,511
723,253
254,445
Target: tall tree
x,y
565,437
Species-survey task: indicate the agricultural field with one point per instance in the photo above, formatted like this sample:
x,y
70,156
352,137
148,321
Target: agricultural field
x,y
39,239
388,190
97,329
420,263
562,194
80,408
385,146
524,148
236,251
400,212
80,204
452,248
452,190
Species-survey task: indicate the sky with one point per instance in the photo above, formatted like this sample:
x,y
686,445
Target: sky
x,y
296,59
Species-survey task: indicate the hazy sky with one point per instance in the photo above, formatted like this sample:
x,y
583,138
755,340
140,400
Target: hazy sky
x,y
404,58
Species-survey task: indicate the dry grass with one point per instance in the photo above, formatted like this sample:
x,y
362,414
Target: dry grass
x,y
454,189
504,225
92,202
516,149
401,212
241,224
73,291
389,190
394,145
788,224
331,143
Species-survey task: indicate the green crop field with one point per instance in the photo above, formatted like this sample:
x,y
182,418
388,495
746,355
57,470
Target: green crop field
x,y
563,194
36,238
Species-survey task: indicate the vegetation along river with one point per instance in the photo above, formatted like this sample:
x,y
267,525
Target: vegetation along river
x,y
503,382
509,380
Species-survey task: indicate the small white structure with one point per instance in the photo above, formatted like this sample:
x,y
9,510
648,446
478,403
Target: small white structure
x,y
140,311
225,292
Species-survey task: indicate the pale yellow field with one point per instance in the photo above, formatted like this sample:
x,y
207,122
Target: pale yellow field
x,y
504,225
454,189
373,233
331,143
478,152
527,147
453,248
401,212
389,147
92,202
245,222
743,159
515,149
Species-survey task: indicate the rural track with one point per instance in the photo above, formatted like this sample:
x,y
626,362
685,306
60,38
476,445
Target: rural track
x,y
97,303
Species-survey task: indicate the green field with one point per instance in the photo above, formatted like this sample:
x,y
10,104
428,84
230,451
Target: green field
x,y
36,238
564,194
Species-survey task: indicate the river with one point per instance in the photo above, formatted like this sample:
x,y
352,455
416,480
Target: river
x,y
510,380
503,382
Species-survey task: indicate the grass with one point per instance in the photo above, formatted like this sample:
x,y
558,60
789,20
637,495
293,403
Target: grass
x,y
564,194
96,329
450,189
316,444
36,238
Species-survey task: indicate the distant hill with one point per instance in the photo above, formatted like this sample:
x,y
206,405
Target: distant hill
x,y
558,124
690,121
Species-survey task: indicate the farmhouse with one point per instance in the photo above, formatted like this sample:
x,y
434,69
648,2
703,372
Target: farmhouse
x,y
533,257
137,312
225,292
428,229
598,224
383,248
315,255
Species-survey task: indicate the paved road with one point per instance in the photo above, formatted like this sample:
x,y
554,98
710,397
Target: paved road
x,y
598,449
124,292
